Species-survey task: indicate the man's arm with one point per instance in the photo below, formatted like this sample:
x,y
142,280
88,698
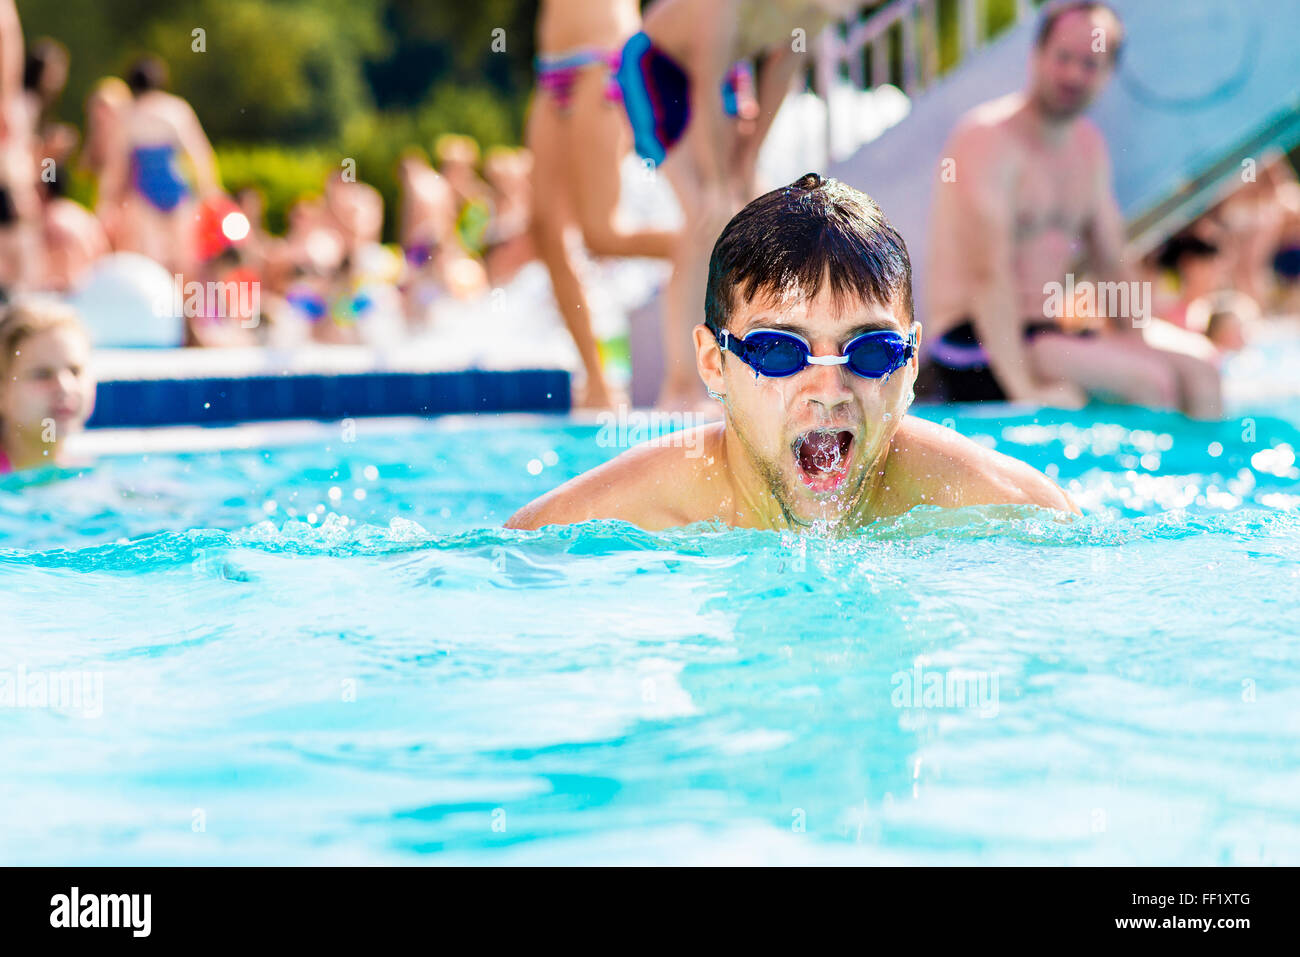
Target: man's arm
x,y
630,488
1105,231
713,48
985,180
941,467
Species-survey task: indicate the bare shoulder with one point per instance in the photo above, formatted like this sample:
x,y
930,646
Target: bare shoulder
x,y
985,122
933,465
1088,136
654,485
177,109
980,143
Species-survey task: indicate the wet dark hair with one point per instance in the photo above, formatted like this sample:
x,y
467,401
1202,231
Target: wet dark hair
x,y
42,56
815,230
146,74
1054,11
1182,246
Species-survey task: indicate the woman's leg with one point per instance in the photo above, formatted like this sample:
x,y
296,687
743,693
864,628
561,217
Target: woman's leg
x,y
1194,360
552,218
1120,367
684,297
597,140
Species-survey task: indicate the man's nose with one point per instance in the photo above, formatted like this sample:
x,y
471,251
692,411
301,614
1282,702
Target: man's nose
x,y
1078,73
826,386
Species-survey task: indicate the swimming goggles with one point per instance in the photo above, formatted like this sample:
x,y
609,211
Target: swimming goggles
x,y
776,355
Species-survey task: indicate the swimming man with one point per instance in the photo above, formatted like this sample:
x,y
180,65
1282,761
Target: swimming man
x,y
810,343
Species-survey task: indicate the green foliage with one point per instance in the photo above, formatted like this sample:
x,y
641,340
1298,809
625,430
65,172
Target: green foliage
x,y
465,31
281,174
286,89
1000,15
269,67
287,68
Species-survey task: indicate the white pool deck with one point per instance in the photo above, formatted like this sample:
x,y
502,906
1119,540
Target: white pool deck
x,y
1266,373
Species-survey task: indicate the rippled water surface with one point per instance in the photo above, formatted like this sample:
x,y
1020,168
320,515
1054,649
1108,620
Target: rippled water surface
x,y
331,652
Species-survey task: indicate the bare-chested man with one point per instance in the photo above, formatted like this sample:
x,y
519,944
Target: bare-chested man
x,y
1027,195
155,203
671,76
810,343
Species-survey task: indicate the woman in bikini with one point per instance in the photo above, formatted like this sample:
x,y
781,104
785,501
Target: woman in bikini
x,y
143,171
578,134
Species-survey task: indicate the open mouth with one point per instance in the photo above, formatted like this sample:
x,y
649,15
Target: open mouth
x,y
823,459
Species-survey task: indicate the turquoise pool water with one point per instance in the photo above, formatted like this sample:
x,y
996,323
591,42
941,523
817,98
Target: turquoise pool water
x,y
331,652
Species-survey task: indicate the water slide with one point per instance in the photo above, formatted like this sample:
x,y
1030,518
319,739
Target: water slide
x,y
1202,86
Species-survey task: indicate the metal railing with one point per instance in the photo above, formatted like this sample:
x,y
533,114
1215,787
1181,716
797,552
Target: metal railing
x,y
900,39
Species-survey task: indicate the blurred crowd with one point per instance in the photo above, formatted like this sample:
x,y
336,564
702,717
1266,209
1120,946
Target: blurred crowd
x,y
1236,262
463,223
468,222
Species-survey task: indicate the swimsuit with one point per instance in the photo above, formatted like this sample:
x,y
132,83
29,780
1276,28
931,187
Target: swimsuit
x,y
346,309
309,303
156,178
5,465
417,254
962,365
558,72
656,95
8,208
1287,263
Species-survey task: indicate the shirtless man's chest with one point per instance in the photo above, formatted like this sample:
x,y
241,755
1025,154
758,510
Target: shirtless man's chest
x,y
1054,200
1053,194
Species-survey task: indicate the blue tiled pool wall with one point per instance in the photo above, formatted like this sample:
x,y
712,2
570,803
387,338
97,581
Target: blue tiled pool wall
x,y
226,401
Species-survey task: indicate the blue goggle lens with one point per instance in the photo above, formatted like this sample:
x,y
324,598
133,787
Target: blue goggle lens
x,y
776,355
779,354
875,357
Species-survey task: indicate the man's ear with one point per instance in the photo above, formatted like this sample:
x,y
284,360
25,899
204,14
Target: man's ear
x,y
708,359
916,353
